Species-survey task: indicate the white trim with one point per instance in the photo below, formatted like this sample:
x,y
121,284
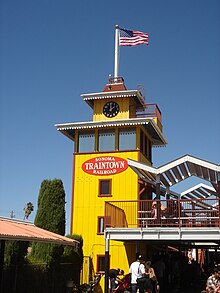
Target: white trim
x,y
188,158
175,163
164,234
206,187
120,122
113,123
114,94
142,166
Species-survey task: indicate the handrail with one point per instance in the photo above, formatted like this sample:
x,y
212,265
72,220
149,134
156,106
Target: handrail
x,y
169,213
117,79
151,110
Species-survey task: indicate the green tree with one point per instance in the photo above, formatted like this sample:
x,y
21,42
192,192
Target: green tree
x,y
15,252
50,216
74,256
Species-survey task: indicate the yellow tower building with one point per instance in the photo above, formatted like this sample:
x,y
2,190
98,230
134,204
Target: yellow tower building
x,y
123,127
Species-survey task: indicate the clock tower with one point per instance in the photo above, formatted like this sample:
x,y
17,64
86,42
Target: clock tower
x,y
115,101
123,126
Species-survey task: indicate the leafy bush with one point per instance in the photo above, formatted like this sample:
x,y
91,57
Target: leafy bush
x,y
15,252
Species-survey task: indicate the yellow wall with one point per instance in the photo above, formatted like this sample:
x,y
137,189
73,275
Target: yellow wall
x,y
87,206
127,109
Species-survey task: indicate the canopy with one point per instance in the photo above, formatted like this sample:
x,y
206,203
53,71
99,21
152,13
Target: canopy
x,y
11,229
178,170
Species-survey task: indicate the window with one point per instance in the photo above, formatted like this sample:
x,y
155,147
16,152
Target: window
x,y
105,187
86,141
101,225
127,139
149,150
141,141
145,145
100,263
106,140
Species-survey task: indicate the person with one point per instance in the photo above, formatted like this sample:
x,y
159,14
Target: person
x,y
151,281
218,286
154,210
137,270
120,277
191,255
113,273
119,281
213,281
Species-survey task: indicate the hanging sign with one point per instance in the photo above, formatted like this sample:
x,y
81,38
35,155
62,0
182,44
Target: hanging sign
x,y
105,165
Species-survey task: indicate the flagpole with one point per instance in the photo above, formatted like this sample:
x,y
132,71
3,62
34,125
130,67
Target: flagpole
x,y
116,50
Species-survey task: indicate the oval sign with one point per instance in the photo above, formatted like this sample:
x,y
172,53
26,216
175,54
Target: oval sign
x,y
105,166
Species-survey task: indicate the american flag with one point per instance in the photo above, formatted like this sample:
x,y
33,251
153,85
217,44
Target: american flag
x,y
132,38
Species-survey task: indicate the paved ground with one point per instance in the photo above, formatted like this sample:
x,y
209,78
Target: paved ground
x,y
189,290
185,290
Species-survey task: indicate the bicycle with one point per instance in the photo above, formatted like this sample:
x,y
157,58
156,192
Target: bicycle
x,y
85,288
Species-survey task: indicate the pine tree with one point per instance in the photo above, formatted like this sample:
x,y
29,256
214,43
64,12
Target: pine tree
x,y
50,216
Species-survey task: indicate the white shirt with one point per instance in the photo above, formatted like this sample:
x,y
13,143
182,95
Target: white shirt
x,y
137,270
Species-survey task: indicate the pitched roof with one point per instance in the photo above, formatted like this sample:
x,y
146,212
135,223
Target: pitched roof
x,y
178,170
11,229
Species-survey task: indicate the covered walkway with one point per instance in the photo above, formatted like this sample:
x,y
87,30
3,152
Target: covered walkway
x,y
172,173
189,219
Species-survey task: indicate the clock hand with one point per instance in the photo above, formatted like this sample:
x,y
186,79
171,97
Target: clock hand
x,y
111,107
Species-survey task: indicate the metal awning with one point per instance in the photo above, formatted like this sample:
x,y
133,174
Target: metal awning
x,y
169,175
11,229
161,235
200,191
179,170
17,230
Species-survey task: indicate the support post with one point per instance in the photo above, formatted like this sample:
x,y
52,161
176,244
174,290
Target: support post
x,y
137,249
167,192
106,263
158,186
218,184
158,198
116,50
2,251
218,195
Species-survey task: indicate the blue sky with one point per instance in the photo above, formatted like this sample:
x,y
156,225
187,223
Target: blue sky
x,y
53,51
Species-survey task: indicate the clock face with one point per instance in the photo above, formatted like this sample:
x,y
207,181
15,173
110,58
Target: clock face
x,y
111,109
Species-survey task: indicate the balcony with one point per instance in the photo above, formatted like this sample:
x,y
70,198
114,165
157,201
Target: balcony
x,y
169,213
151,111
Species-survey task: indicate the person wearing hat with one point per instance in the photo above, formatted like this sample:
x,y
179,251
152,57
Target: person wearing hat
x,y
154,210
137,270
